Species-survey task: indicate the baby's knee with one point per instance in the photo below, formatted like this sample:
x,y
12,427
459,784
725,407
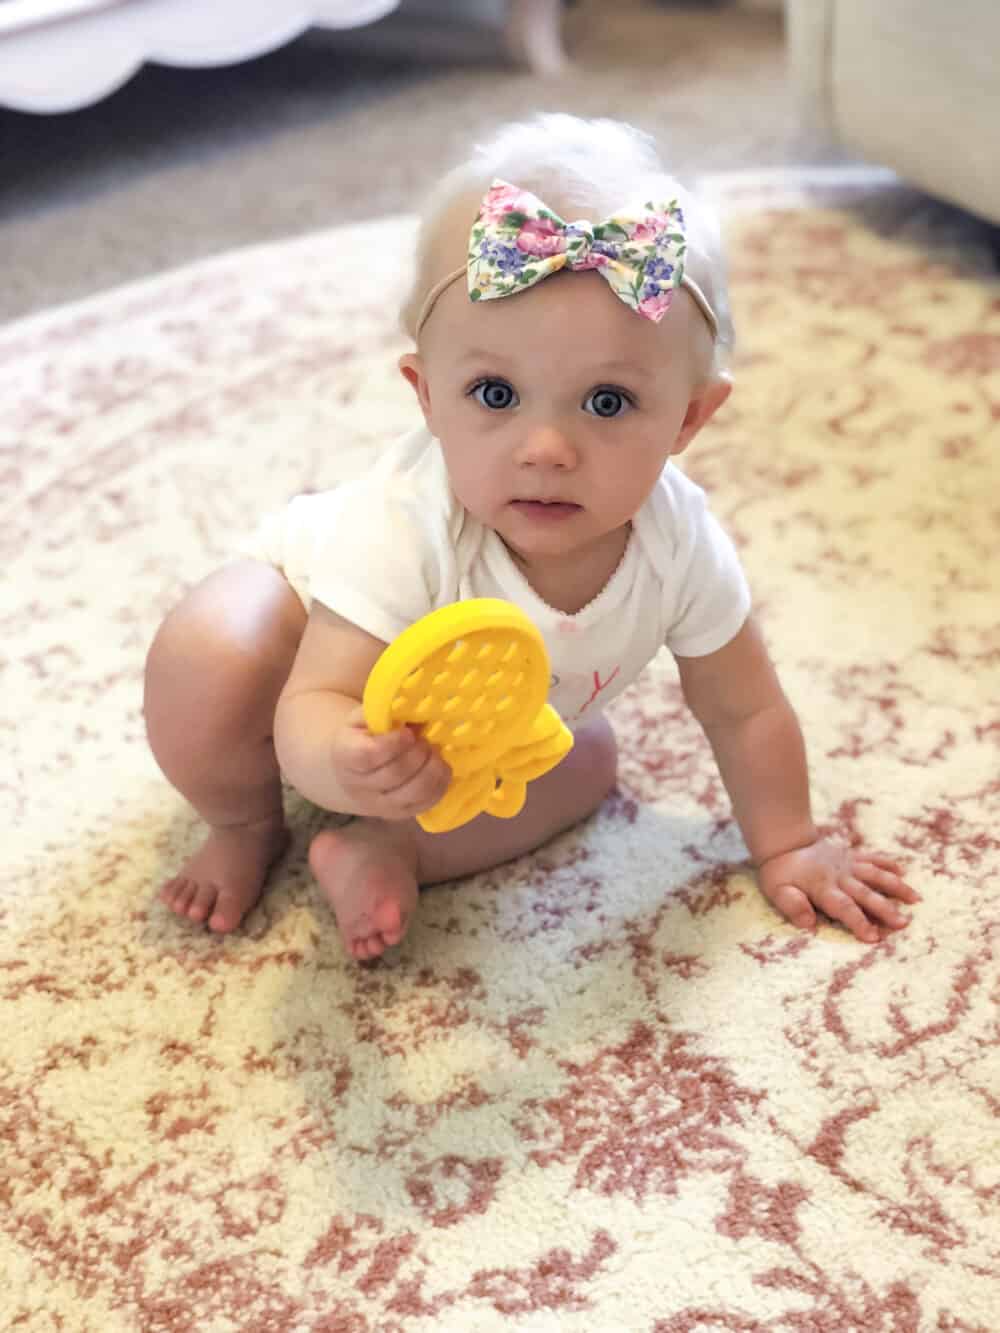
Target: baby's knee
x,y
595,758
221,657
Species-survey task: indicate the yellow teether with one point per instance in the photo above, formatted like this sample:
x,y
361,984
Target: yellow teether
x,y
473,676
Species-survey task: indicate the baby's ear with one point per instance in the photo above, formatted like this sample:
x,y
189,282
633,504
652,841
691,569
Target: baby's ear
x,y
411,367
705,402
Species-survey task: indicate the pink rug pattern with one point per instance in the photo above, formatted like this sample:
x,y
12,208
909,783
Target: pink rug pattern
x,y
604,1087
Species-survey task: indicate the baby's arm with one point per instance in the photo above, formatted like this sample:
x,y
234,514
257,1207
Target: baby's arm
x,y
755,736
324,748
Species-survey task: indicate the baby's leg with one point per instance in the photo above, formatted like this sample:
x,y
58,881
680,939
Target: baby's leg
x,y
213,676
370,870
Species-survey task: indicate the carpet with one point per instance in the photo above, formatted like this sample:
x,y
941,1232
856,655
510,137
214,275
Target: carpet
x,y
604,1087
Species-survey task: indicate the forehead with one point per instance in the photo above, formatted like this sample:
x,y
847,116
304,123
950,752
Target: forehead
x,y
568,318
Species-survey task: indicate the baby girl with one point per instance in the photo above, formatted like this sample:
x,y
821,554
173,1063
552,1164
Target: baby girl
x,y
570,329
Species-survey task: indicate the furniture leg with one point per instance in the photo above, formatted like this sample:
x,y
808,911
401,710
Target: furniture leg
x,y
534,35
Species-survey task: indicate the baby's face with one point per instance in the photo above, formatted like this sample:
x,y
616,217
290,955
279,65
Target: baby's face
x,y
557,408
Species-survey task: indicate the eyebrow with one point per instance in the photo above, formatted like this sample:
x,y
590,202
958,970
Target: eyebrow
x,y
627,368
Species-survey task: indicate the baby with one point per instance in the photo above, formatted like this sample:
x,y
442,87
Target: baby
x,y
570,322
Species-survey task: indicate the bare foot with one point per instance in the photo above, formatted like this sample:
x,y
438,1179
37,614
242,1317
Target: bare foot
x,y
226,876
370,883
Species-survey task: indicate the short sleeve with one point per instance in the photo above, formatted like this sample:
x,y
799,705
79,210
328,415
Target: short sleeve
x,y
384,558
706,598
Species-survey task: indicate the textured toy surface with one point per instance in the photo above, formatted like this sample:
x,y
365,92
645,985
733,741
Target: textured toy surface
x,y
473,677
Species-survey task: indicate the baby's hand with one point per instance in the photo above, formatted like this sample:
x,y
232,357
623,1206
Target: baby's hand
x,y
394,776
855,887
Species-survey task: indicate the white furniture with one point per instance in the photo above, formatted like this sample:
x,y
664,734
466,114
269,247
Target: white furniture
x,y
58,55
912,84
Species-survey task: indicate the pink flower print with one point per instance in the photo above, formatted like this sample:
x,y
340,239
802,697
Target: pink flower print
x,y
655,307
649,230
652,227
540,236
592,260
500,200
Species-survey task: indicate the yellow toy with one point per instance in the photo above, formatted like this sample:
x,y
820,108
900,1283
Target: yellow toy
x,y
473,677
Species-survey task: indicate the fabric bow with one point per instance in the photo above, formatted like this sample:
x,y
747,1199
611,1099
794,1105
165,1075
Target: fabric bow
x,y
517,241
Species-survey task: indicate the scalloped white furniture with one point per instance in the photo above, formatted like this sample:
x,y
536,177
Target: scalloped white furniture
x,y
59,55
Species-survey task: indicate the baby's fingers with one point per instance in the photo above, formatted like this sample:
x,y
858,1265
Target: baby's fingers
x,y
840,905
363,755
877,906
793,904
883,874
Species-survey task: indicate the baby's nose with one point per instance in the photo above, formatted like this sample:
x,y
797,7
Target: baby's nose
x,y
548,443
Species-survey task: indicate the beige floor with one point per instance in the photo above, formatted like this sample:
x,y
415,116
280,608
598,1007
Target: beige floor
x,y
182,164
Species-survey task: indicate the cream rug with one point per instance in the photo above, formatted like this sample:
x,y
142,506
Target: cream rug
x,y
604,1088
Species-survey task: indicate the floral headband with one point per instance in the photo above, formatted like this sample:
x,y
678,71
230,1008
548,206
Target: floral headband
x,y
517,241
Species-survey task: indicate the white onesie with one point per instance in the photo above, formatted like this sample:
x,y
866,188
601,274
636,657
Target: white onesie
x,y
384,549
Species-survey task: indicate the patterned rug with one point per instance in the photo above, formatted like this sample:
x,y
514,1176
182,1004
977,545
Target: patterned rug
x,y
605,1087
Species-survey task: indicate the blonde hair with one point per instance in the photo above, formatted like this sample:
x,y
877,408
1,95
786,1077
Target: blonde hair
x,y
580,168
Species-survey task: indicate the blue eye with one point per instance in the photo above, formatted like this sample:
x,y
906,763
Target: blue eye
x,y
494,394
607,402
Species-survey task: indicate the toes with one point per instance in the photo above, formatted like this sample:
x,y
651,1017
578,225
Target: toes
x,y
168,891
388,921
177,894
202,901
386,926
228,912
221,908
375,931
366,947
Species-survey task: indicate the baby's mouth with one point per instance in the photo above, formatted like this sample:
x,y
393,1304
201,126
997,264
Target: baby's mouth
x,y
545,509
